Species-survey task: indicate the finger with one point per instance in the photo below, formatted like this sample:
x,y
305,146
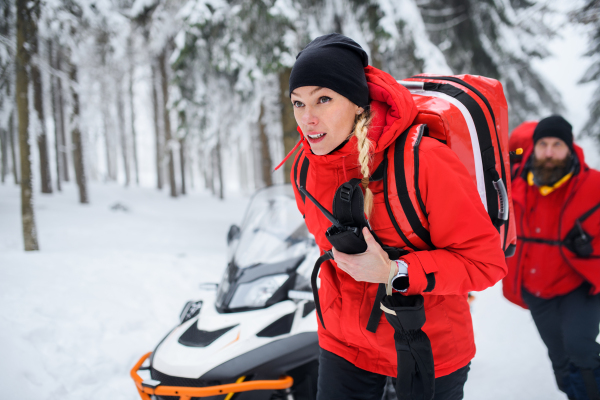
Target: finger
x,y
369,237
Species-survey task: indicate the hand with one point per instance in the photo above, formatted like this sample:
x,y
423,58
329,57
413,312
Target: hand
x,y
371,266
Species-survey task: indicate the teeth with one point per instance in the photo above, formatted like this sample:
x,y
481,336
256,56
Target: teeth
x,y
316,136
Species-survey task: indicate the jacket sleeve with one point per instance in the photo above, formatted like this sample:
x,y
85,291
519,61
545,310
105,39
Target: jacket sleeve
x,y
468,255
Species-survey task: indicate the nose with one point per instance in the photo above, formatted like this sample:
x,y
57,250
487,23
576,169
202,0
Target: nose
x,y
309,117
549,153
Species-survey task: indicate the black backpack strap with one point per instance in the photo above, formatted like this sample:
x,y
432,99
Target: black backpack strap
x,y
300,180
348,209
313,282
402,187
588,213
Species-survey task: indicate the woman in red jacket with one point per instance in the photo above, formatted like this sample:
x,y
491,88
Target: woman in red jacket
x,y
348,114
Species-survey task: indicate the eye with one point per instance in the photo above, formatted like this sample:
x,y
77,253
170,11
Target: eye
x,y
324,99
298,104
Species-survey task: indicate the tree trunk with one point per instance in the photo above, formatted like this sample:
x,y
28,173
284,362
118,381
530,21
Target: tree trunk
x,y
25,30
77,140
182,164
157,131
167,121
266,162
131,107
219,168
290,134
12,139
4,155
206,158
53,104
61,117
38,105
123,132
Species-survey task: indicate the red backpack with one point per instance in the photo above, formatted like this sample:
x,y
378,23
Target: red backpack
x,y
470,115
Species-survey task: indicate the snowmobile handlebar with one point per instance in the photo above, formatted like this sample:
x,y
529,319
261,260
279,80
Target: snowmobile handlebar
x,y
148,388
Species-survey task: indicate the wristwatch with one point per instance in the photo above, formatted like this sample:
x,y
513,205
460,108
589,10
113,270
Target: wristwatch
x,y
399,281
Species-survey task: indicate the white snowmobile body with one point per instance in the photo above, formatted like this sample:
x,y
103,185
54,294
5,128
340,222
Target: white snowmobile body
x,y
258,328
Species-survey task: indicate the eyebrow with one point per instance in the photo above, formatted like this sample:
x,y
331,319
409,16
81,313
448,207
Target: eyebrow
x,y
311,93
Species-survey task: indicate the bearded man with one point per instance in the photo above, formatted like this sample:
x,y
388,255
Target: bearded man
x,y
555,271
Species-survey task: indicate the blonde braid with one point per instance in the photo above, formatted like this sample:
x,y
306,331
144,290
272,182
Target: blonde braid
x,y
364,156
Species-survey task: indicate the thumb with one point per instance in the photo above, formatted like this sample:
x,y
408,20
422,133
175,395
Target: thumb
x,y
369,237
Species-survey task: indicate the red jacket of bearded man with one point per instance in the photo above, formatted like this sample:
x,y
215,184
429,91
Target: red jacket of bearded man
x,y
467,257
549,270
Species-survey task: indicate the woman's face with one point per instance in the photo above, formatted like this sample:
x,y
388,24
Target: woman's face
x,y
325,117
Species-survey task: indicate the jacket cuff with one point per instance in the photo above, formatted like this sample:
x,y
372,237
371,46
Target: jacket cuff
x,y
419,265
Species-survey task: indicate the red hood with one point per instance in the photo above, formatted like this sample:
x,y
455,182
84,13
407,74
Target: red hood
x,y
521,136
393,112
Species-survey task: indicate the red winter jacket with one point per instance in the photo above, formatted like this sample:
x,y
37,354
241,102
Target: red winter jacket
x,y
551,270
468,255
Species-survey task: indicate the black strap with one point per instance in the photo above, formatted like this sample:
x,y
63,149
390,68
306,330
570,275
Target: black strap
x,y
541,241
389,208
588,213
376,311
402,189
296,174
344,208
313,282
379,172
303,175
423,130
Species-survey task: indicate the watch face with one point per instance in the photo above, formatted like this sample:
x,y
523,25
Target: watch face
x,y
400,283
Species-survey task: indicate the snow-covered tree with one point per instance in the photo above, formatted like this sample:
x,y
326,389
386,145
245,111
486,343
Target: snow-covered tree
x,y
589,15
498,39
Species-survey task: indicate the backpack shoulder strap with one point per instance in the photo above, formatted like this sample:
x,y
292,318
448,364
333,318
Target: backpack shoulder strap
x,y
301,172
588,213
403,178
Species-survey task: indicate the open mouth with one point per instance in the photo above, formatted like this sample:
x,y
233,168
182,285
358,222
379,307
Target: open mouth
x,y
317,137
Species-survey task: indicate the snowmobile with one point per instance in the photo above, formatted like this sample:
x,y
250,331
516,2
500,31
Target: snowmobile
x,y
254,335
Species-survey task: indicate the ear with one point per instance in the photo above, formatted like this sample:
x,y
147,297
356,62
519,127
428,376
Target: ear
x,y
360,110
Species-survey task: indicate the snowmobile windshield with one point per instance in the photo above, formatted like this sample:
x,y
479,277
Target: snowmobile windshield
x,y
273,229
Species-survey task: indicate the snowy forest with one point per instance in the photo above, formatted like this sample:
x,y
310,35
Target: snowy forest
x,y
134,132
188,93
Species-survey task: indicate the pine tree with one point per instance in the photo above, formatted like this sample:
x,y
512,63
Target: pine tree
x,y
589,15
498,39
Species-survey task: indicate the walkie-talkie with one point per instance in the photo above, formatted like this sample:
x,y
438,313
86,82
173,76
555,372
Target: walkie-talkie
x,y
346,232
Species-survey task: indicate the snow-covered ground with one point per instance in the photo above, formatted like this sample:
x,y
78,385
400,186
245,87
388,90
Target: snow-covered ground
x,y
108,284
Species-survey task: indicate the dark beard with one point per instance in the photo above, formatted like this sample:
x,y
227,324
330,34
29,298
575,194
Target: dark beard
x,y
546,171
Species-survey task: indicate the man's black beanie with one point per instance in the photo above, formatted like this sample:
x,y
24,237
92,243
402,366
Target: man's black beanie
x,y
554,126
335,62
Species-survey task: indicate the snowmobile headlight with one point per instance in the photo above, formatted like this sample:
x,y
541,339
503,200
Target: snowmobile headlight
x,y
190,310
256,293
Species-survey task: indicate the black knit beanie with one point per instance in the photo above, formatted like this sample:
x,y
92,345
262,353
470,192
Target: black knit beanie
x,y
554,126
335,62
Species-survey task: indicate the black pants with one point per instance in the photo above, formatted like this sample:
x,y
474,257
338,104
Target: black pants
x,y
341,380
569,326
